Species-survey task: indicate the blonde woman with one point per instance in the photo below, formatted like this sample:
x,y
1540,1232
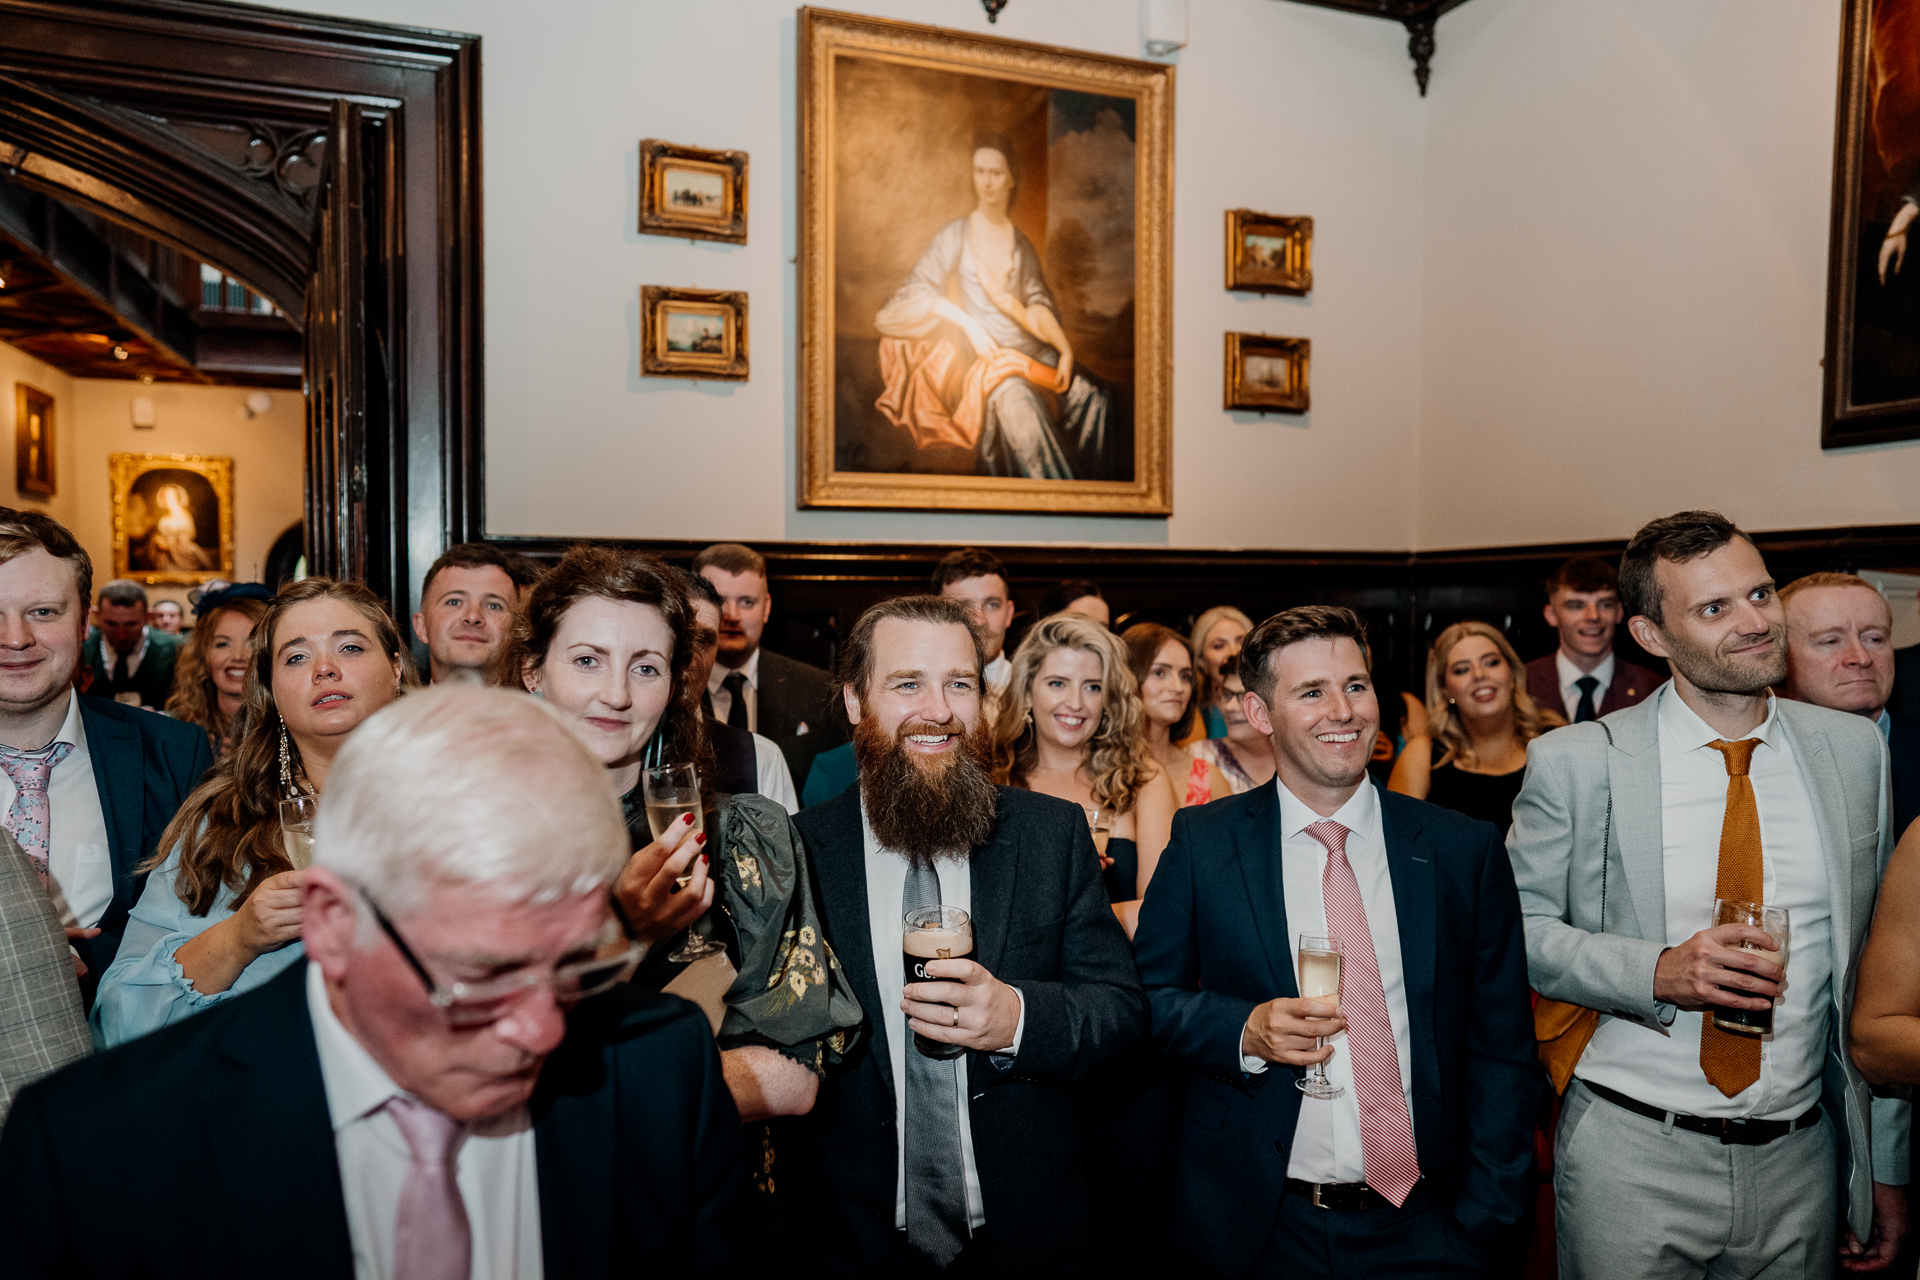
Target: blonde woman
x,y
1216,637
1480,720
1071,726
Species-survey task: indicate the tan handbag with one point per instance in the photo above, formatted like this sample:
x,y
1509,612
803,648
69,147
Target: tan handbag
x,y
1562,1030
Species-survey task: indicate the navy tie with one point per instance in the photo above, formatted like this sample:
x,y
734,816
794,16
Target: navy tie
x,y
1588,686
736,687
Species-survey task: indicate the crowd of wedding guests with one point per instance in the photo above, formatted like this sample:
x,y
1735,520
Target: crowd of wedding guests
x,y
451,966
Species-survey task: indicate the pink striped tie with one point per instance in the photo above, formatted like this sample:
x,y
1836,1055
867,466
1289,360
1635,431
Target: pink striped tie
x,y
1386,1133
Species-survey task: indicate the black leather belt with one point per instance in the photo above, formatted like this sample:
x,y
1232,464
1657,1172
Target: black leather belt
x,y
1732,1133
1345,1196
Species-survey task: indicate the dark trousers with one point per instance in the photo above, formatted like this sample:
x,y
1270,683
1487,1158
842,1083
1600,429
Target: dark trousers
x,y
1419,1239
972,1264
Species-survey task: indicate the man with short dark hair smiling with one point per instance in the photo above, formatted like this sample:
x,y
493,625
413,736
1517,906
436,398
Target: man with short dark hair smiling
x,y
466,610
908,1164
1414,1159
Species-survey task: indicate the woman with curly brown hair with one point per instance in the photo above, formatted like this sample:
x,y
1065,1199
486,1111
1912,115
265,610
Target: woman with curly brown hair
x,y
606,638
211,679
221,910
1480,719
1071,726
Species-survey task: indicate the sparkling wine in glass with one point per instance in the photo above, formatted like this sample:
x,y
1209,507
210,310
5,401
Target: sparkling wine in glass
x,y
1100,822
669,792
1319,980
296,830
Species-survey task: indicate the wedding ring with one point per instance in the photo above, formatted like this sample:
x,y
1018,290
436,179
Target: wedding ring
x,y
681,882
956,1017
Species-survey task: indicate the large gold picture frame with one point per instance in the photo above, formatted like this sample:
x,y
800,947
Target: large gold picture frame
x,y
917,147
172,517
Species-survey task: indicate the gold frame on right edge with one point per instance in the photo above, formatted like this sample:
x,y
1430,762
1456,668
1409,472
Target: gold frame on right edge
x,y
893,118
1252,361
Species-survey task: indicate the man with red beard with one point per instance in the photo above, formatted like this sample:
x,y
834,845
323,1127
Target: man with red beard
x,y
915,1165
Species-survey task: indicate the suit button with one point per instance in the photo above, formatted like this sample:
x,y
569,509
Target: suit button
x,y
1281,1147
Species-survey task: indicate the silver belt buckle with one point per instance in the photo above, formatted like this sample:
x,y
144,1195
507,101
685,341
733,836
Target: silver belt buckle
x,y
1316,1196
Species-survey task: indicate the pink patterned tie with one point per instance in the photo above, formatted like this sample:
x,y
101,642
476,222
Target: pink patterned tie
x,y
1386,1132
431,1238
27,817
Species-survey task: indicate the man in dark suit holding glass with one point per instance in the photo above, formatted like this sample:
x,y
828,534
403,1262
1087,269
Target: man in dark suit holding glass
x,y
1418,1164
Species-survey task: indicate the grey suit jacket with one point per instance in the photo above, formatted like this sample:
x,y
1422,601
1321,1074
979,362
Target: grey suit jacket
x,y
41,1023
1555,846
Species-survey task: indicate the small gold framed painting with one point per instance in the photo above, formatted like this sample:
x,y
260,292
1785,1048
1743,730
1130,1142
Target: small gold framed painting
x,y
1267,253
685,191
693,333
172,517
33,441
1267,374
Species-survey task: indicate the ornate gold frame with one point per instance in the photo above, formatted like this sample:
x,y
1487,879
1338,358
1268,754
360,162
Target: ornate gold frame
x,y
1295,351
128,467
1245,275
660,219
825,34
729,363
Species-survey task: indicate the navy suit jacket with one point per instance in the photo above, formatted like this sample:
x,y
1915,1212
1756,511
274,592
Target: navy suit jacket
x,y
641,1160
1903,743
1213,943
145,766
1042,924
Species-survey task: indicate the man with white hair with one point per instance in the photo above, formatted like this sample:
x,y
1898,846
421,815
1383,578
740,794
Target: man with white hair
x,y
457,1084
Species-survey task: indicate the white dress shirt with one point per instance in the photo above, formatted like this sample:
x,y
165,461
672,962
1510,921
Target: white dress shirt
x,y
495,1170
1570,677
997,673
110,655
722,699
78,861
886,887
1664,1069
771,776
1326,1139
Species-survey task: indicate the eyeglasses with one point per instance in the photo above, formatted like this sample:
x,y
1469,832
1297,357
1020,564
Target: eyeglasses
x,y
473,1004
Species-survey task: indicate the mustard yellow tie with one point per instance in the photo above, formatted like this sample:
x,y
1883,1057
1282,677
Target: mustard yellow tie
x,y
1732,1062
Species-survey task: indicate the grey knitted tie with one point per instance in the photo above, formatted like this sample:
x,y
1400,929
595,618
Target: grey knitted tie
x,y
936,1176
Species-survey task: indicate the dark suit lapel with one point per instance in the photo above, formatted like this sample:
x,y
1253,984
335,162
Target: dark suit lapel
x,y
1256,846
1410,866
839,853
575,1127
992,873
119,776
271,1139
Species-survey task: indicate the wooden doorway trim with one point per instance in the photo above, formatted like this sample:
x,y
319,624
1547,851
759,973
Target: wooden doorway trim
x,y
90,96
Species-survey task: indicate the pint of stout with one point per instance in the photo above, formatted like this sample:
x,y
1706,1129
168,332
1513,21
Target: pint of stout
x,y
934,933
1773,922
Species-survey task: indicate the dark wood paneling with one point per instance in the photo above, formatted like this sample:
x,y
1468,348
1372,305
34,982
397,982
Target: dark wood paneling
x,y
819,588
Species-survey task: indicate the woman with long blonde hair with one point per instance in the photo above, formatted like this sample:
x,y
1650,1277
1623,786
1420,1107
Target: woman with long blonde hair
x,y
220,913
1479,721
1071,726
211,678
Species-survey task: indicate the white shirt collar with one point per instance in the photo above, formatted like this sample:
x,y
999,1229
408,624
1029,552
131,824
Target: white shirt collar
x,y
1570,674
71,728
751,668
1358,815
356,1085
106,647
1692,733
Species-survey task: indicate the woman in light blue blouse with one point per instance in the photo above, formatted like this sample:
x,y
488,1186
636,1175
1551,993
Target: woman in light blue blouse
x,y
220,914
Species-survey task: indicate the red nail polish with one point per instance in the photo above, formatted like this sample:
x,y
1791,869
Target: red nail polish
x,y
705,858
700,839
687,818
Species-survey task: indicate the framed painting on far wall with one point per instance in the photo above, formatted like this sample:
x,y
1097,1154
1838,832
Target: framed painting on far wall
x,y
1268,375
1872,366
985,273
685,191
693,333
172,517
1269,253
33,441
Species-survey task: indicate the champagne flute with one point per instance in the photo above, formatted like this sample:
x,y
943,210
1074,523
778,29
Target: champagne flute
x,y
1319,980
296,829
671,791
1100,823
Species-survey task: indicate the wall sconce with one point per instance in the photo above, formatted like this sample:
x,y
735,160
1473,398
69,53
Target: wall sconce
x,y
258,402
143,416
1163,26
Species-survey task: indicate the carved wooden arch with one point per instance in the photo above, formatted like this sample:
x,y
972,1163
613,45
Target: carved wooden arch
x,y
108,105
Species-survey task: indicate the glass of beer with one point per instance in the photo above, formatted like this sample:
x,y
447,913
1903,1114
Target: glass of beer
x,y
671,791
296,829
934,933
1771,921
1319,980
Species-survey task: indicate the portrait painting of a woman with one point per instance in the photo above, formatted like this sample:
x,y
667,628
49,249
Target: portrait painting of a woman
x,y
985,273
172,517
1006,385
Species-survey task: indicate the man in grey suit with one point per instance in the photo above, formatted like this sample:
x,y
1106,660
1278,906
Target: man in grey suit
x,y
41,1023
1683,1150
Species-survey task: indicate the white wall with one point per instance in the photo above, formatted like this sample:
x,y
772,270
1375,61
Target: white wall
x,y
1278,107
1625,292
